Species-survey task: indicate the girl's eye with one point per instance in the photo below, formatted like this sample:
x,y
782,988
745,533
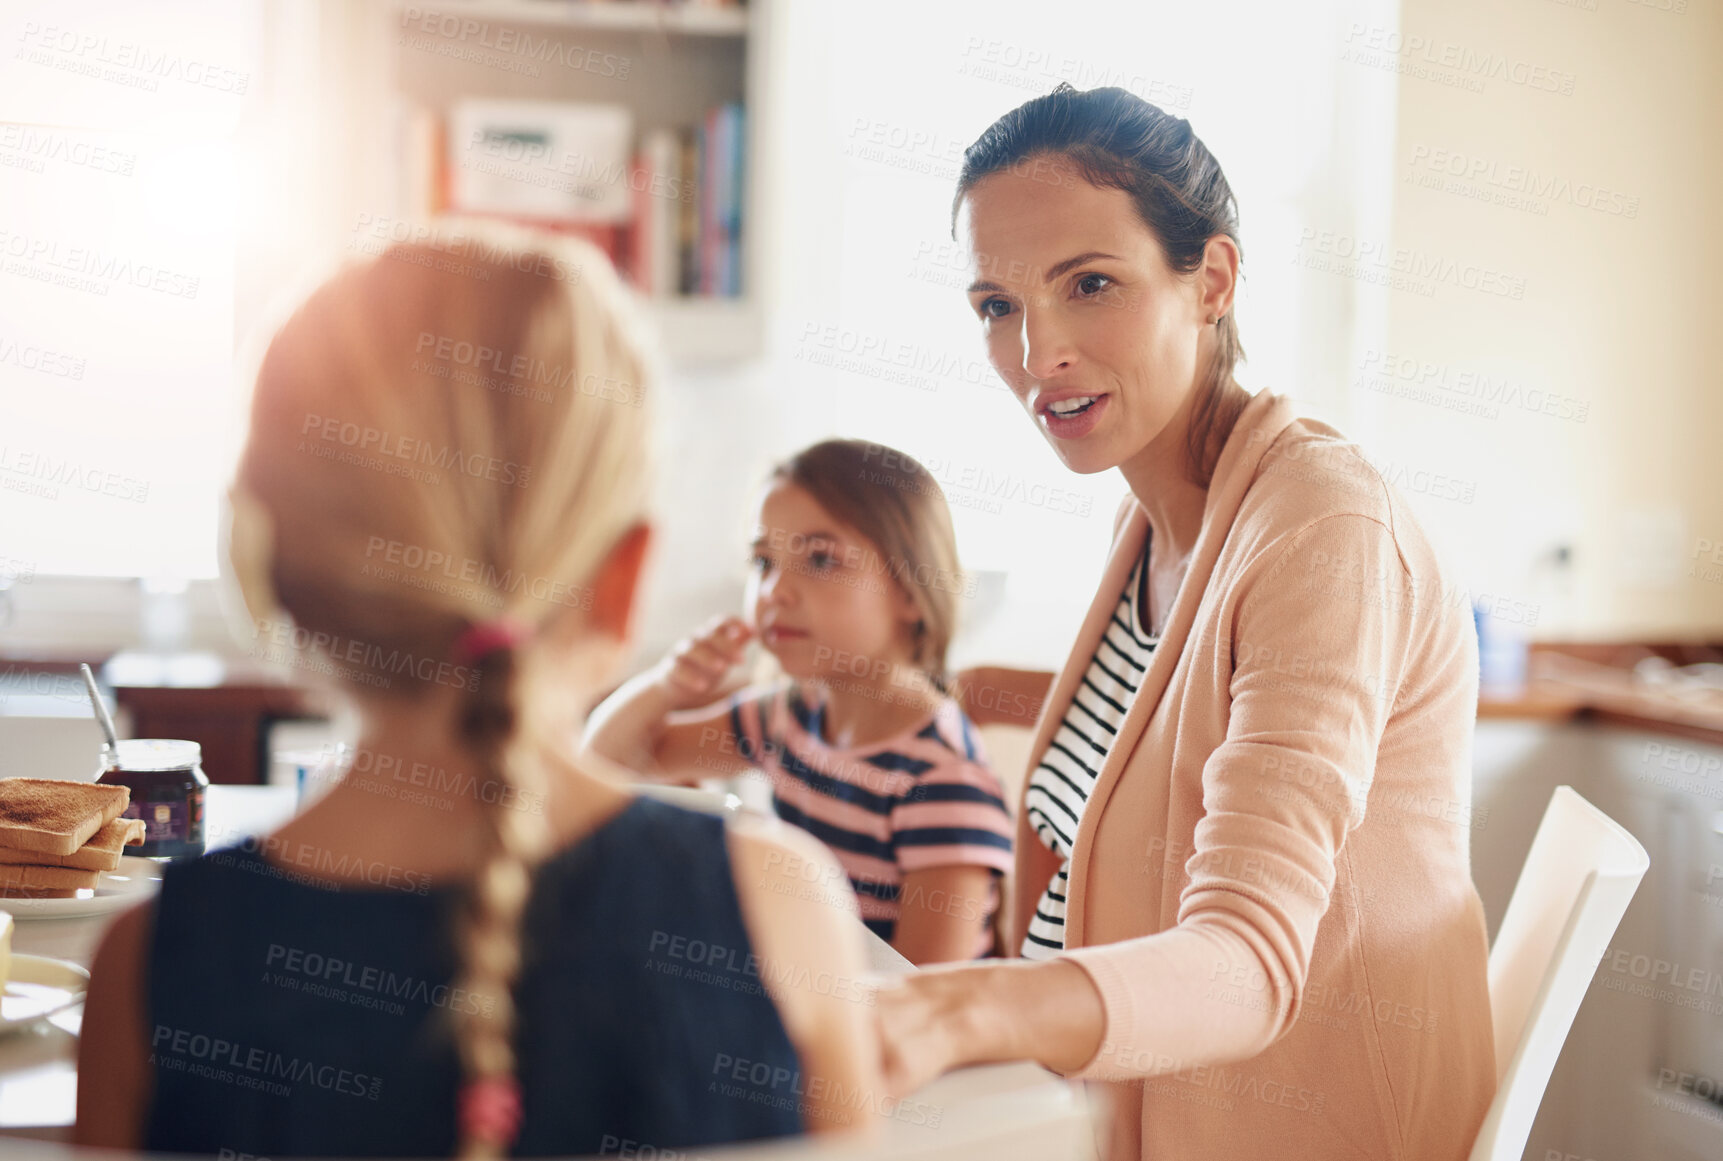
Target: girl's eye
x,y
995,308
1090,285
760,561
820,558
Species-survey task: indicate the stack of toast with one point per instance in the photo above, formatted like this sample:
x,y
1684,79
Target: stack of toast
x,y
57,838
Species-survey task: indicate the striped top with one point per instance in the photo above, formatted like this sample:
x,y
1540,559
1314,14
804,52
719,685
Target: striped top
x,y
1060,786
925,798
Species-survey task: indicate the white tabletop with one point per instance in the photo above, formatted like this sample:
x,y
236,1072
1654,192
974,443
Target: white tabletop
x,y
38,1067
38,1075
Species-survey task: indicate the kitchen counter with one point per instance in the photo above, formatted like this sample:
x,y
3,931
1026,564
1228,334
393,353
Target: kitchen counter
x,y
1641,687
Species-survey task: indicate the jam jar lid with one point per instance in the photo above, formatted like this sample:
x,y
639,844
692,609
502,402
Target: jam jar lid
x,y
153,754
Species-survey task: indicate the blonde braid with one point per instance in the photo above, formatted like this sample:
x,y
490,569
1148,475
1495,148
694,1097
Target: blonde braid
x,y
492,930
365,351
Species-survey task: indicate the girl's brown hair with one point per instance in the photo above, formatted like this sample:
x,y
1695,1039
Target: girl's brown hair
x,y
1117,140
486,404
895,502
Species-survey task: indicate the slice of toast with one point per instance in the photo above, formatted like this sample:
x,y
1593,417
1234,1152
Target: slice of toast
x,y
37,893
56,818
101,853
15,877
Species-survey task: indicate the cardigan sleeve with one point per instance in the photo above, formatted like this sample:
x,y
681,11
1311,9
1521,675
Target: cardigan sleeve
x,y
1321,635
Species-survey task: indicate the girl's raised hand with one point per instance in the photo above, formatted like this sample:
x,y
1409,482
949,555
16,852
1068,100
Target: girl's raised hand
x,y
692,674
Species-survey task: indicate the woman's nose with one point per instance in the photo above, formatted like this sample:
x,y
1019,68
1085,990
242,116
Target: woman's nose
x,y
1047,347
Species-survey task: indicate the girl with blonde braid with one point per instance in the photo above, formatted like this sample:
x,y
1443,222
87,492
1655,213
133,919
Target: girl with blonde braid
x,y
472,943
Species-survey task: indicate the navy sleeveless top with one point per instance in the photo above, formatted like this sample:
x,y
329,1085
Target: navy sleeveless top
x,y
288,1018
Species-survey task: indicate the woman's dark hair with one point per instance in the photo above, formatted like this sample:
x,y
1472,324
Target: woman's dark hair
x,y
1116,140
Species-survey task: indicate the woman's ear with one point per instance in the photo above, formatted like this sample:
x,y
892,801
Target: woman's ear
x,y
1218,276
616,583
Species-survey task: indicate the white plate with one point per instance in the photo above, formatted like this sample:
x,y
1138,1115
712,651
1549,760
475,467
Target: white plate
x,y
132,880
37,987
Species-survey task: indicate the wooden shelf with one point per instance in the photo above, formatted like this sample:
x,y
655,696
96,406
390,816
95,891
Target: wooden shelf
x,y
683,19
714,57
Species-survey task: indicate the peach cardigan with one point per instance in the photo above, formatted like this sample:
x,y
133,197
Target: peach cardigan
x,y
1271,886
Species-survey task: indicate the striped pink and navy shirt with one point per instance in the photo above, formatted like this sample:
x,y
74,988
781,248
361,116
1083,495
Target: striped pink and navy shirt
x,y
925,798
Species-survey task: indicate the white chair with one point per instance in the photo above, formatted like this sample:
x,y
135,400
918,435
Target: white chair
x,y
1578,878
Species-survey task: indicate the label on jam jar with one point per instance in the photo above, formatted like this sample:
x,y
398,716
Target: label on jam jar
x,y
167,787
163,821
170,822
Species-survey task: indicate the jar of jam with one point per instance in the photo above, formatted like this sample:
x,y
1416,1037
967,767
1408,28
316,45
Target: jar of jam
x,y
167,783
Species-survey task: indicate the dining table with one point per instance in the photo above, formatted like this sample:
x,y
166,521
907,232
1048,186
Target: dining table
x,y
38,1064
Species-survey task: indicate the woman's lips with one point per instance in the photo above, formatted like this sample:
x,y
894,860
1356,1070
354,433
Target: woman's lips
x,y
778,633
1074,426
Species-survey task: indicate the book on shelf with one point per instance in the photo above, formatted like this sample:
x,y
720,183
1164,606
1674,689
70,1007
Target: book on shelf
x,y
688,217
658,195
711,230
666,204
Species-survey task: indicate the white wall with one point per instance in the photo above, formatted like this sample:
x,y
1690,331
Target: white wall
x,y
1617,316
871,108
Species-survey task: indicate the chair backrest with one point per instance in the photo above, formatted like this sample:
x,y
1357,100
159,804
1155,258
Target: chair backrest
x,y
1578,878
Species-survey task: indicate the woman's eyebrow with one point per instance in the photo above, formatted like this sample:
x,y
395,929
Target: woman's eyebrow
x,y
1061,268
1053,272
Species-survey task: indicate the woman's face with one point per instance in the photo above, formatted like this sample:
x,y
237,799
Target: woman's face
x,y
821,598
1076,301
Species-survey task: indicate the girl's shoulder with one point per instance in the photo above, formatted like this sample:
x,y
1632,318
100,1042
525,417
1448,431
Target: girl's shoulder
x,y
952,727
758,710
943,746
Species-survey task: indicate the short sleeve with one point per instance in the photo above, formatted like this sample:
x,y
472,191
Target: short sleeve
x,y
955,815
750,713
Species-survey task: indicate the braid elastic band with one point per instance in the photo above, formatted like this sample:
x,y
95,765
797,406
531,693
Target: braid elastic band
x,y
484,637
490,1111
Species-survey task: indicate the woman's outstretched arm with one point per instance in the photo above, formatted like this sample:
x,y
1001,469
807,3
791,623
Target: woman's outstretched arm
x,y
949,1016
1261,866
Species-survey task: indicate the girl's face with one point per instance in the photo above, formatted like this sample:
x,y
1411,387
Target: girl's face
x,y
821,597
1077,302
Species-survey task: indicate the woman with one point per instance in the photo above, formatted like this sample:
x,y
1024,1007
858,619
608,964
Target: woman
x,y
524,958
1238,883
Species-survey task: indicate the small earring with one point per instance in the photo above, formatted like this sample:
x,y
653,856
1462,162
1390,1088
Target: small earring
x,y
1213,319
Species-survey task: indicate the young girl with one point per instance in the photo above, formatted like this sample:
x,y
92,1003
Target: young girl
x,y
854,590
531,959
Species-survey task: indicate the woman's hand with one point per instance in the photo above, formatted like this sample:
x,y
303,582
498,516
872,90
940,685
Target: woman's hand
x,y
942,1018
922,1026
692,674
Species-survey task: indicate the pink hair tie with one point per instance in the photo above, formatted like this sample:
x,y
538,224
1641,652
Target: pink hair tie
x,y
484,637
490,1111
